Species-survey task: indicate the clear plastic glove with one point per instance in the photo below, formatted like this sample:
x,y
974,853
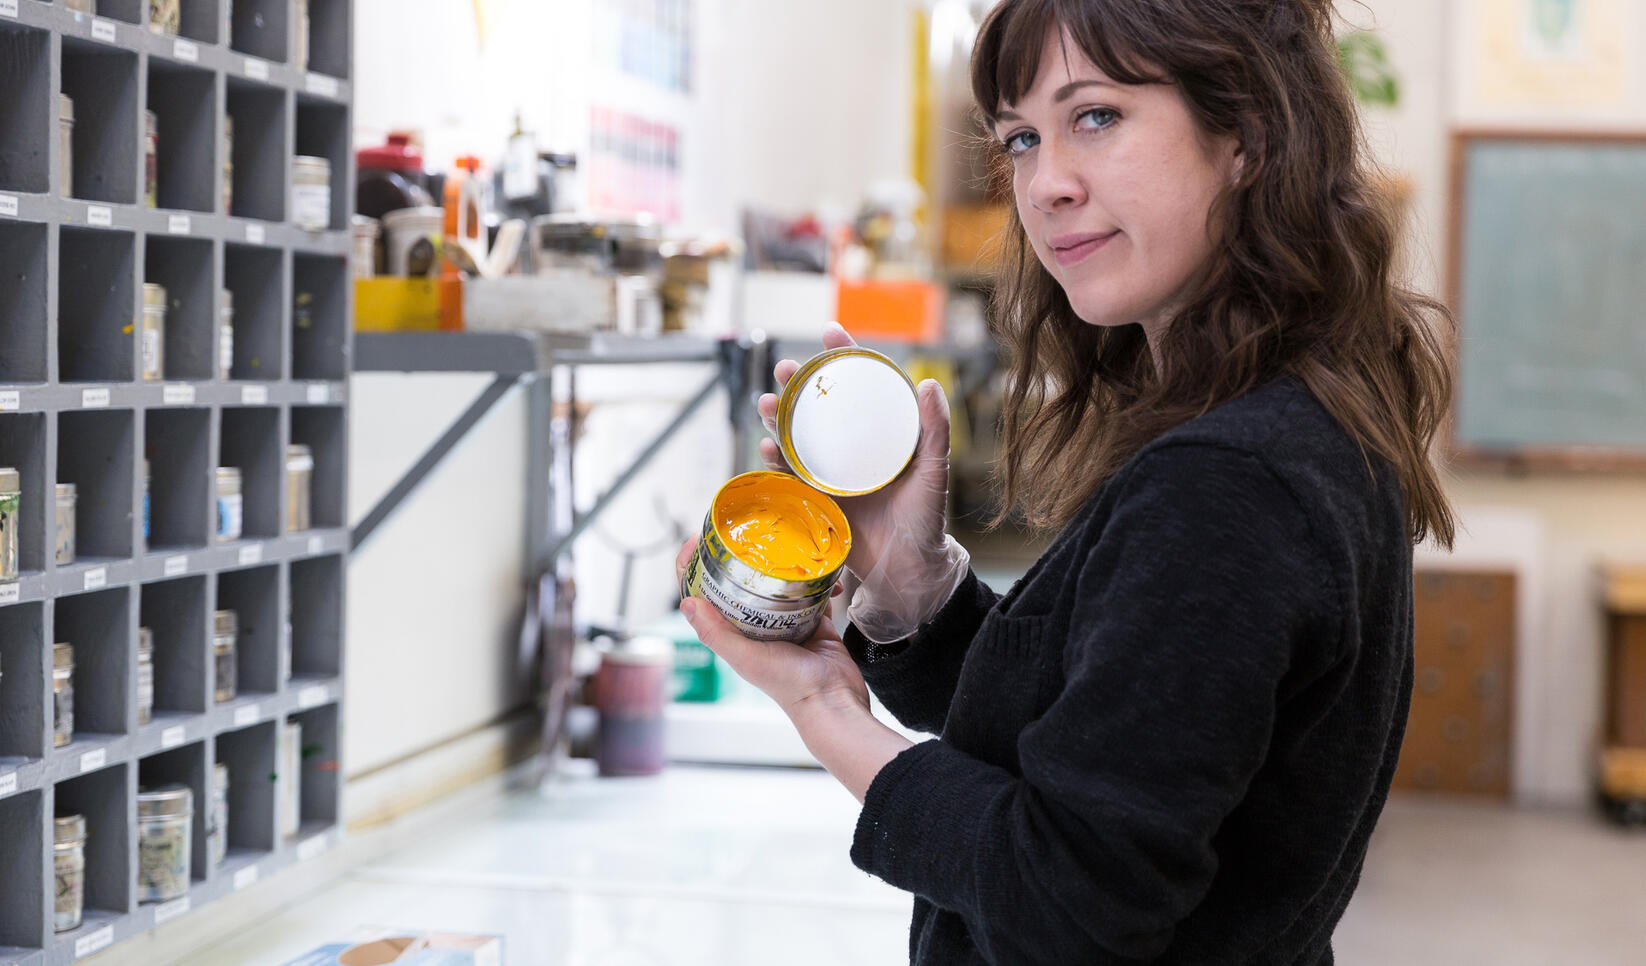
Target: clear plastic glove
x,y
902,554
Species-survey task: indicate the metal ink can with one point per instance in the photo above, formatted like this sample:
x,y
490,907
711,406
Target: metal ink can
x,y
771,581
154,332
225,666
11,508
848,421
63,524
164,818
68,853
165,16
299,480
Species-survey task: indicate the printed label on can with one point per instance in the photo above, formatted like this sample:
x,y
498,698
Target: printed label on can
x,y
754,622
151,354
228,517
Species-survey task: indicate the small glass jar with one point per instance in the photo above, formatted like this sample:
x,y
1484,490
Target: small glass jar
x,y
217,816
225,333
299,486
151,159
154,332
68,848
65,145
289,786
145,675
224,643
11,506
230,504
164,817
165,16
62,694
68,496
311,193
228,164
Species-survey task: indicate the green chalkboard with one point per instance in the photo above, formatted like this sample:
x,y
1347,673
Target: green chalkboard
x,y
1550,259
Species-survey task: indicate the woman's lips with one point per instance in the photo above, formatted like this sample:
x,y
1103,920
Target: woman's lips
x,y
1074,249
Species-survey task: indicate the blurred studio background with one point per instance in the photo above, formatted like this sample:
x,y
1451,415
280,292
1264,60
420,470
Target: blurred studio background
x,y
653,201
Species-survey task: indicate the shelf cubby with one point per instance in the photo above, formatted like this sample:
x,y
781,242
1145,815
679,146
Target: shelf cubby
x,y
249,755
96,452
186,269
28,111
320,772
23,921
24,732
251,441
183,766
256,276
23,329
102,81
329,37
259,28
323,132
324,430
131,11
96,306
108,803
99,626
175,612
184,102
178,447
320,324
317,617
260,158
254,595
23,448
201,20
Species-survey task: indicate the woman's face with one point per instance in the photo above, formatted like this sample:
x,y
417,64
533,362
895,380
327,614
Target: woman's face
x,y
1113,184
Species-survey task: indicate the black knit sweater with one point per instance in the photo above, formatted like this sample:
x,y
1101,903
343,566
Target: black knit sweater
x,y
1170,741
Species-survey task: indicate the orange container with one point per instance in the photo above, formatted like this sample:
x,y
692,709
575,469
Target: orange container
x,y
895,311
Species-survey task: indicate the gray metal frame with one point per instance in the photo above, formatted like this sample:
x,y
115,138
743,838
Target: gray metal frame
x,y
70,404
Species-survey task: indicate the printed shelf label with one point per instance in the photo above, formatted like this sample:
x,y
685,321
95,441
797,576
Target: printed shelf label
x,y
257,69
254,234
167,911
93,760
8,8
8,783
245,716
313,847
315,545
254,395
99,216
173,736
185,50
8,205
102,30
178,395
319,393
10,401
10,593
94,398
311,697
178,224
97,577
322,85
245,877
92,942
252,554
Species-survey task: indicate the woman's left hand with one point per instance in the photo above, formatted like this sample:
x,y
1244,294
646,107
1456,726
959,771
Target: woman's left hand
x,y
801,678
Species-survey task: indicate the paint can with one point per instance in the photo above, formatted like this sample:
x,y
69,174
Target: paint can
x,y
848,421
771,550
631,690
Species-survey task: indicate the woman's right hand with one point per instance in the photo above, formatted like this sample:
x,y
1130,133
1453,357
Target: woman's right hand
x,y
901,552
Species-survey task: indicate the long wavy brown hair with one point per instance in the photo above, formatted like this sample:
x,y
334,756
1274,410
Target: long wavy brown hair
x,y
1301,281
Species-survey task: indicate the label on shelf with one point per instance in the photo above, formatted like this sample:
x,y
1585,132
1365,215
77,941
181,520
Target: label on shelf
x,y
245,715
93,760
245,877
8,783
252,554
11,593
97,577
92,942
178,395
8,205
178,224
177,565
254,234
10,401
167,911
185,50
8,8
322,85
102,30
173,736
257,69
319,393
94,398
254,395
99,216
315,846
312,697
315,545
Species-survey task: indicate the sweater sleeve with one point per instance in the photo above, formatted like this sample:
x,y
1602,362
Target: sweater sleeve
x,y
915,678
1198,593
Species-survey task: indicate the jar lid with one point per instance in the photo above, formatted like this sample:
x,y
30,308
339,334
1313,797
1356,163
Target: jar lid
x,y
154,295
299,451
10,480
643,649
65,107
848,421
67,491
397,155
165,801
225,621
311,164
145,641
68,830
62,655
229,474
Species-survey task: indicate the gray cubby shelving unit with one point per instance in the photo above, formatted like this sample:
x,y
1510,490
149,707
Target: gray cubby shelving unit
x,y
73,408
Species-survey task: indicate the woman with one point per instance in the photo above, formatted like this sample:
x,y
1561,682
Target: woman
x,y
1171,740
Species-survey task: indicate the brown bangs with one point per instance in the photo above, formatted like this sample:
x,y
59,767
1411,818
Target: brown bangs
x,y
1006,59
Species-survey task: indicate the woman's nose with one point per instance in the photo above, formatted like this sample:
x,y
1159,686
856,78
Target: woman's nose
x,y
1058,183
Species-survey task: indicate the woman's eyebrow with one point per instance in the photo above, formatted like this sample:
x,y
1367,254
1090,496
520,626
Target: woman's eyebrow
x,y
1063,93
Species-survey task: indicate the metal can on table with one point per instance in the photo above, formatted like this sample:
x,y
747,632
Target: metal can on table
x,y
154,332
63,528
231,504
165,816
68,853
62,694
11,508
299,486
145,675
771,550
224,644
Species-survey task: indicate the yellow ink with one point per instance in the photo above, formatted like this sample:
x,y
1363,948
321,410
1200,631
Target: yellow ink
x,y
782,527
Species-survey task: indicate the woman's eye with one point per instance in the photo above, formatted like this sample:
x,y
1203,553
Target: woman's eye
x,y
1021,142
1096,119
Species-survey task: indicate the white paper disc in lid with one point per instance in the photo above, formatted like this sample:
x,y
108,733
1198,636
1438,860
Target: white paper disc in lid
x,y
848,421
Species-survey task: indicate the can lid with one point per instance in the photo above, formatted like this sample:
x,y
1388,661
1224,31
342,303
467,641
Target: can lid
x,y
67,491
848,421
145,641
644,649
68,830
225,621
165,801
154,295
62,655
65,107
10,480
